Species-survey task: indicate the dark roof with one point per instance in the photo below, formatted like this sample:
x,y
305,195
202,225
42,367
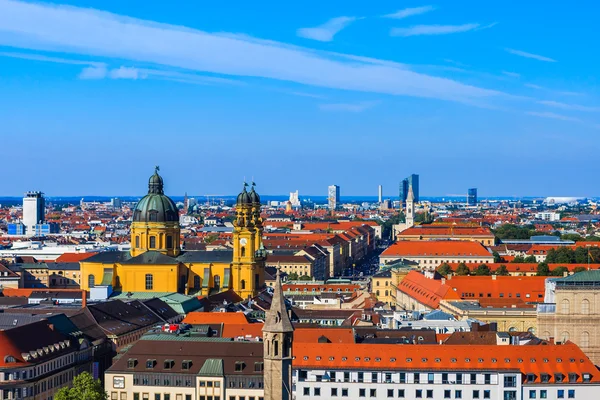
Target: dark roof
x,y
151,257
109,257
84,321
10,321
200,256
118,318
161,309
203,354
72,266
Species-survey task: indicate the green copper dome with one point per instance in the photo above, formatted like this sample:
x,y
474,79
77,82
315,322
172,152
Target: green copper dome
x,y
155,206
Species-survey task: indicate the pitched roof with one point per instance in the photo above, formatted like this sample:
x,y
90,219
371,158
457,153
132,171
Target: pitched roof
x,y
198,318
437,248
201,256
151,257
549,359
276,317
74,257
524,287
425,290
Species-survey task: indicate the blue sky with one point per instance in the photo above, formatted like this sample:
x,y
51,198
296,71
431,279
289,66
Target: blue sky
x,y
497,95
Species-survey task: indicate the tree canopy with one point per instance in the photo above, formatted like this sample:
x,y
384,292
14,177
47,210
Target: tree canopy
x,y
483,269
502,270
445,269
84,387
462,269
511,231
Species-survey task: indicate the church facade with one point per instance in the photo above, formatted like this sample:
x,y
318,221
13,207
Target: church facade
x,y
156,262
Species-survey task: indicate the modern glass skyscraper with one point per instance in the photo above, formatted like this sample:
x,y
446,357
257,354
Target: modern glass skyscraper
x,y
412,180
472,197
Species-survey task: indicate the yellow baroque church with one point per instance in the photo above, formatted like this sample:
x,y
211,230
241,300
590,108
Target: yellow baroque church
x,y
156,262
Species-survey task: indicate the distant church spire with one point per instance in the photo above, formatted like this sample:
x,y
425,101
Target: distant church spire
x,y
278,335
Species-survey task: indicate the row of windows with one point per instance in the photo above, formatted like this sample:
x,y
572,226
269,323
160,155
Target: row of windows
x,y
403,377
560,394
397,393
152,243
565,306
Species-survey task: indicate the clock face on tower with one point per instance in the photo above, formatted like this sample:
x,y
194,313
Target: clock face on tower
x,y
243,241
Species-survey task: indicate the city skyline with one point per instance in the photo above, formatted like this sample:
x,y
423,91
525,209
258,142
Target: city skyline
x,y
199,86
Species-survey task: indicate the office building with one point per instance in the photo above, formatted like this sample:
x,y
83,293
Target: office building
x,y
333,197
411,181
33,211
295,199
117,203
380,192
472,197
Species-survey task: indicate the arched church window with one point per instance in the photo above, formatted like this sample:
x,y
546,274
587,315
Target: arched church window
x,y
149,282
243,251
197,282
276,347
217,280
243,284
152,242
91,281
153,216
169,242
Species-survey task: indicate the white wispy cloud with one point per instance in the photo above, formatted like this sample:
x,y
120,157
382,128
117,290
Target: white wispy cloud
x,y
529,55
565,106
558,92
552,115
511,74
326,32
409,12
311,95
437,29
91,33
42,57
350,107
94,72
127,73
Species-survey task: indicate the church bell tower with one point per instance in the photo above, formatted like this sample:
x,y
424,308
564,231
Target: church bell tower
x,y
278,335
248,252
410,208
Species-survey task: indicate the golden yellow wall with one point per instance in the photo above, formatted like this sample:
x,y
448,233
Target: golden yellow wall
x,y
160,230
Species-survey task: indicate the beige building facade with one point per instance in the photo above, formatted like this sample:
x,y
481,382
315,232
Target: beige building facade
x,y
574,314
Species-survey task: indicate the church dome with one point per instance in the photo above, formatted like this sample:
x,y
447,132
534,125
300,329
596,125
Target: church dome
x,y
254,197
243,198
155,206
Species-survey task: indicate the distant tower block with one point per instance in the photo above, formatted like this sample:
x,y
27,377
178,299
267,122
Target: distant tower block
x,y
333,196
472,197
34,208
380,194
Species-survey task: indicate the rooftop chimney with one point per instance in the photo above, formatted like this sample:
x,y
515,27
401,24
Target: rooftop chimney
x,y
494,277
83,298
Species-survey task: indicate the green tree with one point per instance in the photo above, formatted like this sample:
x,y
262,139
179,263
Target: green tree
x,y
530,259
519,259
462,269
387,226
561,255
445,269
559,271
579,269
305,278
211,238
571,236
543,269
84,387
483,269
502,270
293,276
510,231
496,256
592,238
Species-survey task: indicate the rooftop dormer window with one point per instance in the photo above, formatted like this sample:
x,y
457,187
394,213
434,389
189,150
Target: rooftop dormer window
x,y
131,363
239,366
150,363
186,365
168,364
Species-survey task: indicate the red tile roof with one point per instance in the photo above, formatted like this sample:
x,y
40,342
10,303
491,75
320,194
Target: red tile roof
x,y
525,267
446,230
199,317
425,290
74,257
528,288
452,248
535,359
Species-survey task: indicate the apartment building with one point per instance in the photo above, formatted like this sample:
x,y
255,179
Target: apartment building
x,y
430,254
381,371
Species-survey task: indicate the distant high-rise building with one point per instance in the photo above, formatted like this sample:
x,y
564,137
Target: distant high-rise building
x,y
472,197
116,203
34,208
380,193
333,196
411,181
295,199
